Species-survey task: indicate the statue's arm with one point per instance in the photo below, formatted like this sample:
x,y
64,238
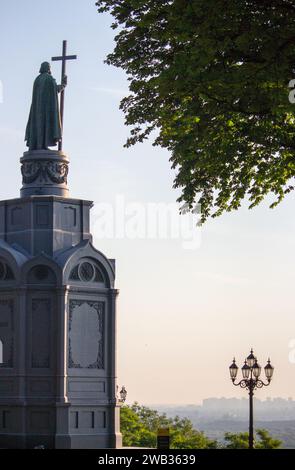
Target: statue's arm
x,y
63,84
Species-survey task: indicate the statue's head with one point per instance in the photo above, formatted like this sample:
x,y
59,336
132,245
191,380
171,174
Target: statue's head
x,y
45,68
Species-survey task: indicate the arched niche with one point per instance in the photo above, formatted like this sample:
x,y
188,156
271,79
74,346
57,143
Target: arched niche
x,y
41,274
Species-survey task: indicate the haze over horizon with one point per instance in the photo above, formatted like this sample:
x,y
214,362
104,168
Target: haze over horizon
x,y
245,397
182,313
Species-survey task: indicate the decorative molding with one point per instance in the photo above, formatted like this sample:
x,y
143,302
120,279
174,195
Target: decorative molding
x,y
99,308
48,170
86,271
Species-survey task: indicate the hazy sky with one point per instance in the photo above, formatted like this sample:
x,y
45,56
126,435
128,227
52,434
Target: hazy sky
x,y
182,313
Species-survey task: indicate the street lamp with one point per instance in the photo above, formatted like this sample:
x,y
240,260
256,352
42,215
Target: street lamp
x,y
251,371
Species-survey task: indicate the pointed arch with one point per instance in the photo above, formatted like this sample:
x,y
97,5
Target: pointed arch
x,y
70,260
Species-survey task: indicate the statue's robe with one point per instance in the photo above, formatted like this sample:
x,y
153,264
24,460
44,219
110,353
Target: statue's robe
x,y
44,127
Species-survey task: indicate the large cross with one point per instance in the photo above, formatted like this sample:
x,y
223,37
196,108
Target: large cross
x,y
64,57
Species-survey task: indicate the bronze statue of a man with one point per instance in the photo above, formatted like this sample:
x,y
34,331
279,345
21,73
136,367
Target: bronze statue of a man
x,y
44,124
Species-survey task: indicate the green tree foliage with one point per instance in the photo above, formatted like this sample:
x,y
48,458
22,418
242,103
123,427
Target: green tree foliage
x,y
139,426
211,77
240,441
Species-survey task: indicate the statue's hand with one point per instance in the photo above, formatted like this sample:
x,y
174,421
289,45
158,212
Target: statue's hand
x,y
65,81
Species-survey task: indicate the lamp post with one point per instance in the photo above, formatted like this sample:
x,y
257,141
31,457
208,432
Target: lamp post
x,y
251,371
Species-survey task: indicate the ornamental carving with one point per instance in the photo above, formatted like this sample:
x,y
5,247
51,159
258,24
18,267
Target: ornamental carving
x,y
54,172
87,271
86,334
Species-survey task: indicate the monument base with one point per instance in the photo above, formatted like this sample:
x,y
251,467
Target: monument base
x,y
98,441
44,172
61,426
58,381
47,441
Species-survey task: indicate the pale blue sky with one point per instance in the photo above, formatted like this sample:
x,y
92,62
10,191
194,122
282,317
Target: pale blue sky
x,y
182,313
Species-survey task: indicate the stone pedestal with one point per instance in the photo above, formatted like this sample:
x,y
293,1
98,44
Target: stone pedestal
x,y
57,318
44,172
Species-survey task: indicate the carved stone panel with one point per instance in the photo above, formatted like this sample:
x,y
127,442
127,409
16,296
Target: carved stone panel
x,y
41,309
7,331
45,171
86,334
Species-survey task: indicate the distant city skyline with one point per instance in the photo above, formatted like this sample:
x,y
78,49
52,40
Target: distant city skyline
x,y
270,409
182,313
207,400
